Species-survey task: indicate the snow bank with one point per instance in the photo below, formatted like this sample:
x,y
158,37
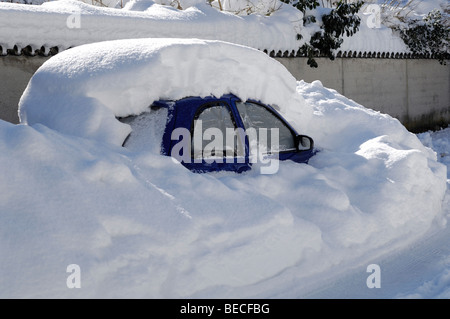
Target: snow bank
x,y
439,141
438,288
69,23
139,225
373,37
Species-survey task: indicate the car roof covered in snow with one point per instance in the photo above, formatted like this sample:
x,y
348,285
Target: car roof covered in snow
x,y
82,90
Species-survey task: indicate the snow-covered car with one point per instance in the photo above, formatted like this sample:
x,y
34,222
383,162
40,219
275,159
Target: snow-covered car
x,y
103,91
138,224
214,134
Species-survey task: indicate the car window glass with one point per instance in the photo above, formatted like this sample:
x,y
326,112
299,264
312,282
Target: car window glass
x,y
262,120
147,130
214,134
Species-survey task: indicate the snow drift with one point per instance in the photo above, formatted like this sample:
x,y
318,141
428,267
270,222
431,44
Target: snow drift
x,y
69,23
140,225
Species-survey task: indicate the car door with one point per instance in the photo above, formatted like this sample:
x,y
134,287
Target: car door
x,y
270,135
217,142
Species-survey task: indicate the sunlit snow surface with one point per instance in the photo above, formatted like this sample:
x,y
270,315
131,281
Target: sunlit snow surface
x,y
69,23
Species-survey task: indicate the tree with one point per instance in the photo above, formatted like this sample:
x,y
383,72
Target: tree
x,y
339,20
428,36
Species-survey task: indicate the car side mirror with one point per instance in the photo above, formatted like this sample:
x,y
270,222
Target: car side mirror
x,y
304,143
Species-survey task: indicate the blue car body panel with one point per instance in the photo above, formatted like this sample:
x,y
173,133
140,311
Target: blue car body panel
x,y
181,114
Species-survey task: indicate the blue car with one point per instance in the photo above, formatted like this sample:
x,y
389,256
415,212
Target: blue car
x,y
219,134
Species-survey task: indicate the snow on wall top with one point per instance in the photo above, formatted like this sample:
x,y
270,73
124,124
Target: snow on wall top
x,y
69,23
80,91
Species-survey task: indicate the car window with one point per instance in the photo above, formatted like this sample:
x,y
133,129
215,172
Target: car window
x,y
147,130
263,121
215,134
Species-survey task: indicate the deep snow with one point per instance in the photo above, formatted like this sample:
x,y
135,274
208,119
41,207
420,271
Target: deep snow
x,y
420,270
140,225
68,23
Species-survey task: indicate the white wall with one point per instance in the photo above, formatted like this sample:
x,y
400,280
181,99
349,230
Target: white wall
x,y
416,91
